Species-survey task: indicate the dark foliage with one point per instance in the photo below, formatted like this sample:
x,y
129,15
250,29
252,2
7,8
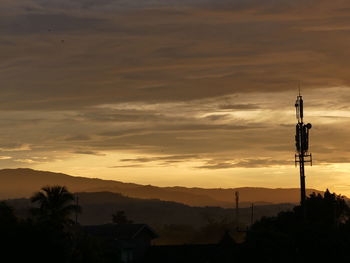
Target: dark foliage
x,y
119,217
322,234
49,234
55,205
319,233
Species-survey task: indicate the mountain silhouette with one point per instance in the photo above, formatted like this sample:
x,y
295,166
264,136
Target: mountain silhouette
x,y
22,183
97,208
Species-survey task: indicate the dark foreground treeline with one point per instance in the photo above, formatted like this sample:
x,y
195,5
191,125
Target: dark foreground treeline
x,y
49,234
318,233
323,235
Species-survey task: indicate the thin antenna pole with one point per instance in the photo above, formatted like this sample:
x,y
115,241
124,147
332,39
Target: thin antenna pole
x,y
252,215
237,207
76,212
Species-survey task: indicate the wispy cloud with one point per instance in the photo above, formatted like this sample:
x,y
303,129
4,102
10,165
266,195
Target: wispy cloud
x,y
89,153
246,163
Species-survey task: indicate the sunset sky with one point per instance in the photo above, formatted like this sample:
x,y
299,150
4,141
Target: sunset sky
x,y
182,92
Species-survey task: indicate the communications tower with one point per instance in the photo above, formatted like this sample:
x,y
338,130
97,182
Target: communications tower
x,y
302,154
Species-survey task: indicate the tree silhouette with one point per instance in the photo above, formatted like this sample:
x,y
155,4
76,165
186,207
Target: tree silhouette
x,y
50,237
328,210
323,235
55,205
119,217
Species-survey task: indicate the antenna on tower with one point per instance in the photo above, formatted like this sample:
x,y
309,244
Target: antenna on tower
x,y
302,154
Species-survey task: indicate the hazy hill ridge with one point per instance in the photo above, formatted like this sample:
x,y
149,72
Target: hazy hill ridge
x,y
22,183
97,208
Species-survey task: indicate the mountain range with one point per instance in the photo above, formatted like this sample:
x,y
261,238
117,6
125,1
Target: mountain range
x,y
22,183
97,208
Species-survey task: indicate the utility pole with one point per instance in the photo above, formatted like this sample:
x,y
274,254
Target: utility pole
x,y
302,154
76,212
237,208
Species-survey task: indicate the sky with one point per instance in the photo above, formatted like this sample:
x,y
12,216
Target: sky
x,y
174,92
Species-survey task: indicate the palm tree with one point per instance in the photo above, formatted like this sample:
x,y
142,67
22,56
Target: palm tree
x,y
55,205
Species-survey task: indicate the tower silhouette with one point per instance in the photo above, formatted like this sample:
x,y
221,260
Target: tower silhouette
x,y
302,154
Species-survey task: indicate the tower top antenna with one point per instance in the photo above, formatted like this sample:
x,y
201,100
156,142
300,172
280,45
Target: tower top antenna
x,y
299,107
